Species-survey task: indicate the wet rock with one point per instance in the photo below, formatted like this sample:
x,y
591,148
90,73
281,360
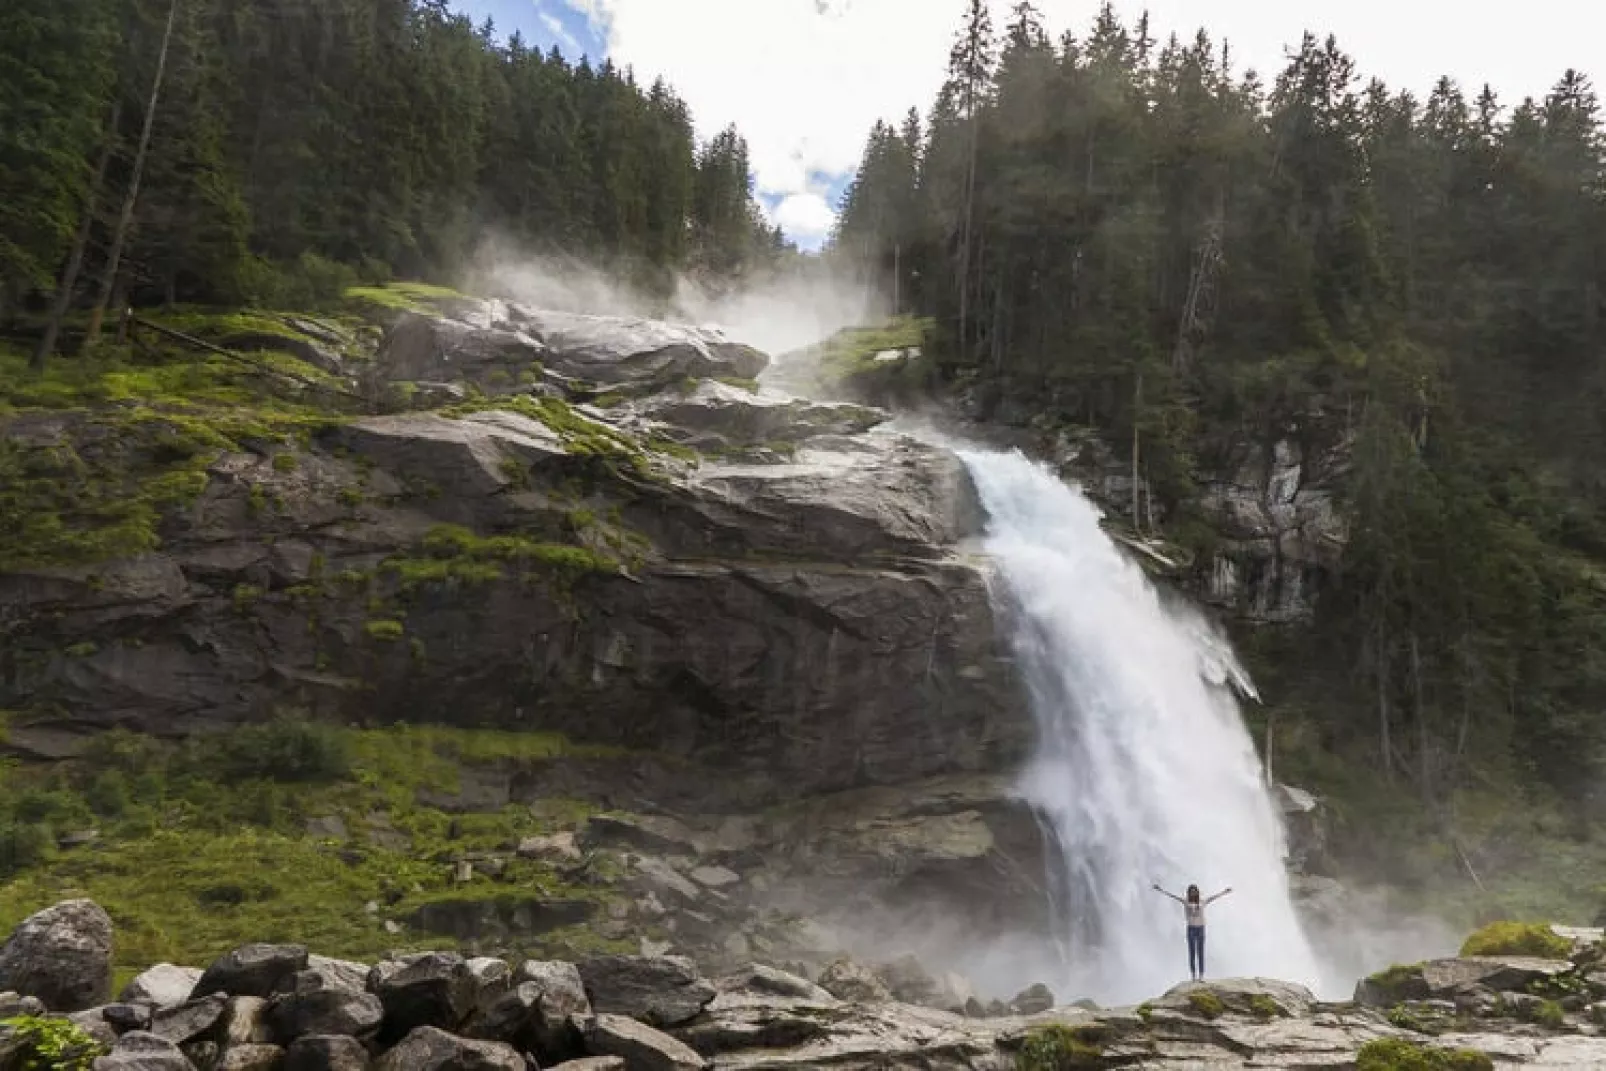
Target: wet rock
x,y
139,1051
639,1045
593,1063
256,970
204,1053
163,985
429,1049
61,955
661,991
854,982
252,1058
326,1053
434,990
188,1022
481,919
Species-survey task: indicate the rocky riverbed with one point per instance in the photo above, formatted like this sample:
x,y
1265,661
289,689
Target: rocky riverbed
x,y
281,1008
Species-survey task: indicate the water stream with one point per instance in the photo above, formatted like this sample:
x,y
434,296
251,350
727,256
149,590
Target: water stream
x,y
1144,771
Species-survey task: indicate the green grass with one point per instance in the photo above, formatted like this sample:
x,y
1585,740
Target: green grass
x,y
204,843
403,297
1207,1004
51,1044
1517,939
1397,1054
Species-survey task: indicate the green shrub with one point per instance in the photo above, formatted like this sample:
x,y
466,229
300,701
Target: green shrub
x,y
1264,1007
287,749
52,1045
1517,939
1397,1054
22,845
1059,1048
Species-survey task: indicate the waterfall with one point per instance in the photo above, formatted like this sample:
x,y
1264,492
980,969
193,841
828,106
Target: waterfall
x,y
1143,770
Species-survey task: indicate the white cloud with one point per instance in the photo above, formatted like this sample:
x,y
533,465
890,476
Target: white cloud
x,y
804,216
805,79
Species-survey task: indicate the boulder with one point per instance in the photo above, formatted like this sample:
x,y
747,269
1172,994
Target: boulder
x,y
854,983
188,1022
326,1053
657,834
125,1017
640,1046
659,990
139,1051
433,990
252,1058
245,1022
440,349
1033,1000
93,1022
340,973
471,456
1446,979
15,1004
318,1004
562,999
61,955
163,985
252,971
741,416
429,1049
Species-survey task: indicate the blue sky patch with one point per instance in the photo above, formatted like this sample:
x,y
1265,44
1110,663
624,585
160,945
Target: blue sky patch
x,y
543,23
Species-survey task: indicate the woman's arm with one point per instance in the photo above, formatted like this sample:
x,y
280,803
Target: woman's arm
x,y
1219,895
1173,896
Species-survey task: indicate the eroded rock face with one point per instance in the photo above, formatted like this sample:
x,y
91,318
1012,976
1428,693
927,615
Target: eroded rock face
x,y
62,956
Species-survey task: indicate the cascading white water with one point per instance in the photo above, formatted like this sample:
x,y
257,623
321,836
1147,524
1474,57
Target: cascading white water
x,y
1144,771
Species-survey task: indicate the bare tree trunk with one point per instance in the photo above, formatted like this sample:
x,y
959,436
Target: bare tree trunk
x,y
75,261
114,259
965,237
1424,739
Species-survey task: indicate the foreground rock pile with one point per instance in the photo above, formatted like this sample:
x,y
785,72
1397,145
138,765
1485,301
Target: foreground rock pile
x,y
279,1008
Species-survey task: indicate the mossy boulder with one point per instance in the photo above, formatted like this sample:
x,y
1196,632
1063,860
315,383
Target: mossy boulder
x,y
1534,940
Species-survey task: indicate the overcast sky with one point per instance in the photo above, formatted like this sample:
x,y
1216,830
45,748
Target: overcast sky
x,y
805,79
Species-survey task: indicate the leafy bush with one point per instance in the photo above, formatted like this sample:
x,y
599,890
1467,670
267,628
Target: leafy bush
x,y
1059,1048
385,631
22,845
1517,939
287,749
51,1045
1397,1054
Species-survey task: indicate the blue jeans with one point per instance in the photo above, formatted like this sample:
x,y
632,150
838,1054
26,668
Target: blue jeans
x,y
1196,951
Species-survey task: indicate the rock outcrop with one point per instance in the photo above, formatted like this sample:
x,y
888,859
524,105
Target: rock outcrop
x,y
669,1018
805,619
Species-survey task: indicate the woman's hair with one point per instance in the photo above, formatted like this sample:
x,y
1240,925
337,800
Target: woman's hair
x,y
1193,894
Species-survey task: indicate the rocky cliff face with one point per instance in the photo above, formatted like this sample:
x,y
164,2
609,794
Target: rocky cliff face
x,y
588,526
804,622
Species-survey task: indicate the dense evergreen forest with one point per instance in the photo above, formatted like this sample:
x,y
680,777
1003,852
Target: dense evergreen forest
x,y
1113,231
256,150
